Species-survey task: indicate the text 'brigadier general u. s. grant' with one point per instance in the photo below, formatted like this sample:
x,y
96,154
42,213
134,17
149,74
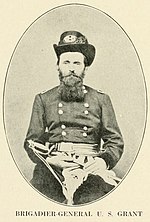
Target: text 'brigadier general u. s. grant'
x,y
67,126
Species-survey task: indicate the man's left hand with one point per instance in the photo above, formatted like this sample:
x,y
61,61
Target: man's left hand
x,y
95,166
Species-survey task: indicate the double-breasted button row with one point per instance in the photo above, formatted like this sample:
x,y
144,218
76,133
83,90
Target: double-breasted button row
x,y
60,111
60,105
85,133
84,90
86,105
85,128
63,126
86,112
63,133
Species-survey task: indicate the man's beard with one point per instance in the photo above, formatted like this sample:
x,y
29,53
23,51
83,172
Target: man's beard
x,y
71,87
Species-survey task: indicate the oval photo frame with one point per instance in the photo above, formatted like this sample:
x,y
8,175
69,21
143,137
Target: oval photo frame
x,y
116,70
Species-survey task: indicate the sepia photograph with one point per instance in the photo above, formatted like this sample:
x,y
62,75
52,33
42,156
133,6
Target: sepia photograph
x,y
75,104
74,111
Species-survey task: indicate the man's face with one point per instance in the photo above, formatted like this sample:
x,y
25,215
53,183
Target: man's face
x,y
71,63
71,69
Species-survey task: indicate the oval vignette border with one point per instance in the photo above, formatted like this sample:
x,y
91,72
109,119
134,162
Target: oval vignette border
x,y
145,88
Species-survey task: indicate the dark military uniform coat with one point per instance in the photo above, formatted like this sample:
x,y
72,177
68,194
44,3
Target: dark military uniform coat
x,y
90,121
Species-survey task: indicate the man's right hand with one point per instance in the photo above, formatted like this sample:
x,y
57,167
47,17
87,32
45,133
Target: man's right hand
x,y
62,161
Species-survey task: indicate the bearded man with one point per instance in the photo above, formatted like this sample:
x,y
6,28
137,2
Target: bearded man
x,y
67,126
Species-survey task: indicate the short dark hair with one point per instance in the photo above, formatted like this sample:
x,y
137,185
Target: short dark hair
x,y
85,61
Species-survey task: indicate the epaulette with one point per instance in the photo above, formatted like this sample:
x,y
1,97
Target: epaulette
x,y
100,91
44,91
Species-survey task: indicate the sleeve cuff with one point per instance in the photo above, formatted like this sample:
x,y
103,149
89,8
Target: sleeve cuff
x,y
108,159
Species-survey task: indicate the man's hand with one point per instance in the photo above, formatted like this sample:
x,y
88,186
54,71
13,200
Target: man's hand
x,y
62,161
95,166
98,167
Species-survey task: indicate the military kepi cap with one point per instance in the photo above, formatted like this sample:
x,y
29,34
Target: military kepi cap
x,y
73,41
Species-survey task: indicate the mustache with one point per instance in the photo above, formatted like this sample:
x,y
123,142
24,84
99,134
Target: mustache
x,y
73,74
71,77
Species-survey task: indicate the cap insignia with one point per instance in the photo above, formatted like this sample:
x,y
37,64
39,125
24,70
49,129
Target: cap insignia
x,y
70,39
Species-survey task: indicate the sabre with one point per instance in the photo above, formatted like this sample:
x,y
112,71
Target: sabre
x,y
32,145
38,148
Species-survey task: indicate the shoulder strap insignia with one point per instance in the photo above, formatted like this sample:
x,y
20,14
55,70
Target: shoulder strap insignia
x,y
44,91
100,91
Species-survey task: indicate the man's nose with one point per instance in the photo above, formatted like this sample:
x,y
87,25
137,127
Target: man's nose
x,y
71,70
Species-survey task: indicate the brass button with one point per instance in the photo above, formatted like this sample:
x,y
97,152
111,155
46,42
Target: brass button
x,y
85,91
63,126
63,133
60,105
85,128
86,105
60,111
85,134
86,112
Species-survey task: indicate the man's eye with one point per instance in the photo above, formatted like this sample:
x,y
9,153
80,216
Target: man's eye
x,y
65,62
77,63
